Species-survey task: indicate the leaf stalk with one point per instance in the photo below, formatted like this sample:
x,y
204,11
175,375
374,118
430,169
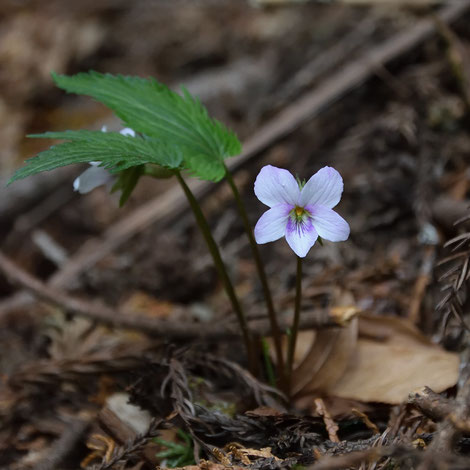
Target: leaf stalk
x,y
275,330
221,269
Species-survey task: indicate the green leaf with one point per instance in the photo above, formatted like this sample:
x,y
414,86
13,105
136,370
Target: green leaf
x,y
176,455
115,151
212,170
158,172
151,108
127,181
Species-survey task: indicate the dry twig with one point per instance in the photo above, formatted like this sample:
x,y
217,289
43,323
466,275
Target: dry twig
x,y
448,432
431,404
64,445
124,453
330,424
133,320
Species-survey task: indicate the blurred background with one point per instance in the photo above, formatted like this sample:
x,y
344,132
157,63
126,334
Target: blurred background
x,y
247,61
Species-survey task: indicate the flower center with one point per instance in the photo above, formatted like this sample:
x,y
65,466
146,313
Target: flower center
x,y
299,214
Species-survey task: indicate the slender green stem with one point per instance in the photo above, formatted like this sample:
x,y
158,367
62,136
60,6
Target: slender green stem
x,y
275,330
295,324
267,363
220,266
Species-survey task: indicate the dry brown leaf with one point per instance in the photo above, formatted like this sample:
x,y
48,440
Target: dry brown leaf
x,y
387,328
245,455
148,305
392,360
208,465
77,338
373,359
343,315
329,353
305,340
263,411
327,359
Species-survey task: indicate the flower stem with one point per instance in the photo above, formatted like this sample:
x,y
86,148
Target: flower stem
x,y
220,266
295,324
267,363
275,330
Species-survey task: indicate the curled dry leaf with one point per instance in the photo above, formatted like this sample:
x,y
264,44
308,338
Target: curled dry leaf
x,y
324,355
141,302
343,315
371,359
326,360
387,367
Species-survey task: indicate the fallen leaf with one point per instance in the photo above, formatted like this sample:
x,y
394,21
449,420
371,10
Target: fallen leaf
x,y
398,360
327,359
148,305
245,455
208,465
343,315
330,350
263,411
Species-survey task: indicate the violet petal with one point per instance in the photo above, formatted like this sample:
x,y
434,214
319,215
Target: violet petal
x,y
301,236
329,225
127,131
91,178
324,187
272,224
275,186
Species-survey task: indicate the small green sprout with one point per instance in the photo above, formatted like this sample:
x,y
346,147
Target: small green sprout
x,y
177,455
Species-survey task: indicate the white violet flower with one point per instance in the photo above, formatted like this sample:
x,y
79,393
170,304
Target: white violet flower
x,y
299,213
96,175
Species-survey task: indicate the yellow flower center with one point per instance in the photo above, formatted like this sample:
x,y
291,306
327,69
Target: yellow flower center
x,y
299,211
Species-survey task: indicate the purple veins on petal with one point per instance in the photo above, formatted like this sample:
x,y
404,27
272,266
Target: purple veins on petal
x,y
275,186
272,224
324,188
300,214
329,224
301,235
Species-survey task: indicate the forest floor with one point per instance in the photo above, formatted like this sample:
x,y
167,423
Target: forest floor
x,y
119,348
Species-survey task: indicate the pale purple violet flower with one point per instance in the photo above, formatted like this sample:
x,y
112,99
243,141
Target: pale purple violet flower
x,y
96,176
301,214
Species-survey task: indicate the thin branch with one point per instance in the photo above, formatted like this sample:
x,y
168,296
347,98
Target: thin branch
x,y
448,432
125,452
430,403
136,321
63,446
